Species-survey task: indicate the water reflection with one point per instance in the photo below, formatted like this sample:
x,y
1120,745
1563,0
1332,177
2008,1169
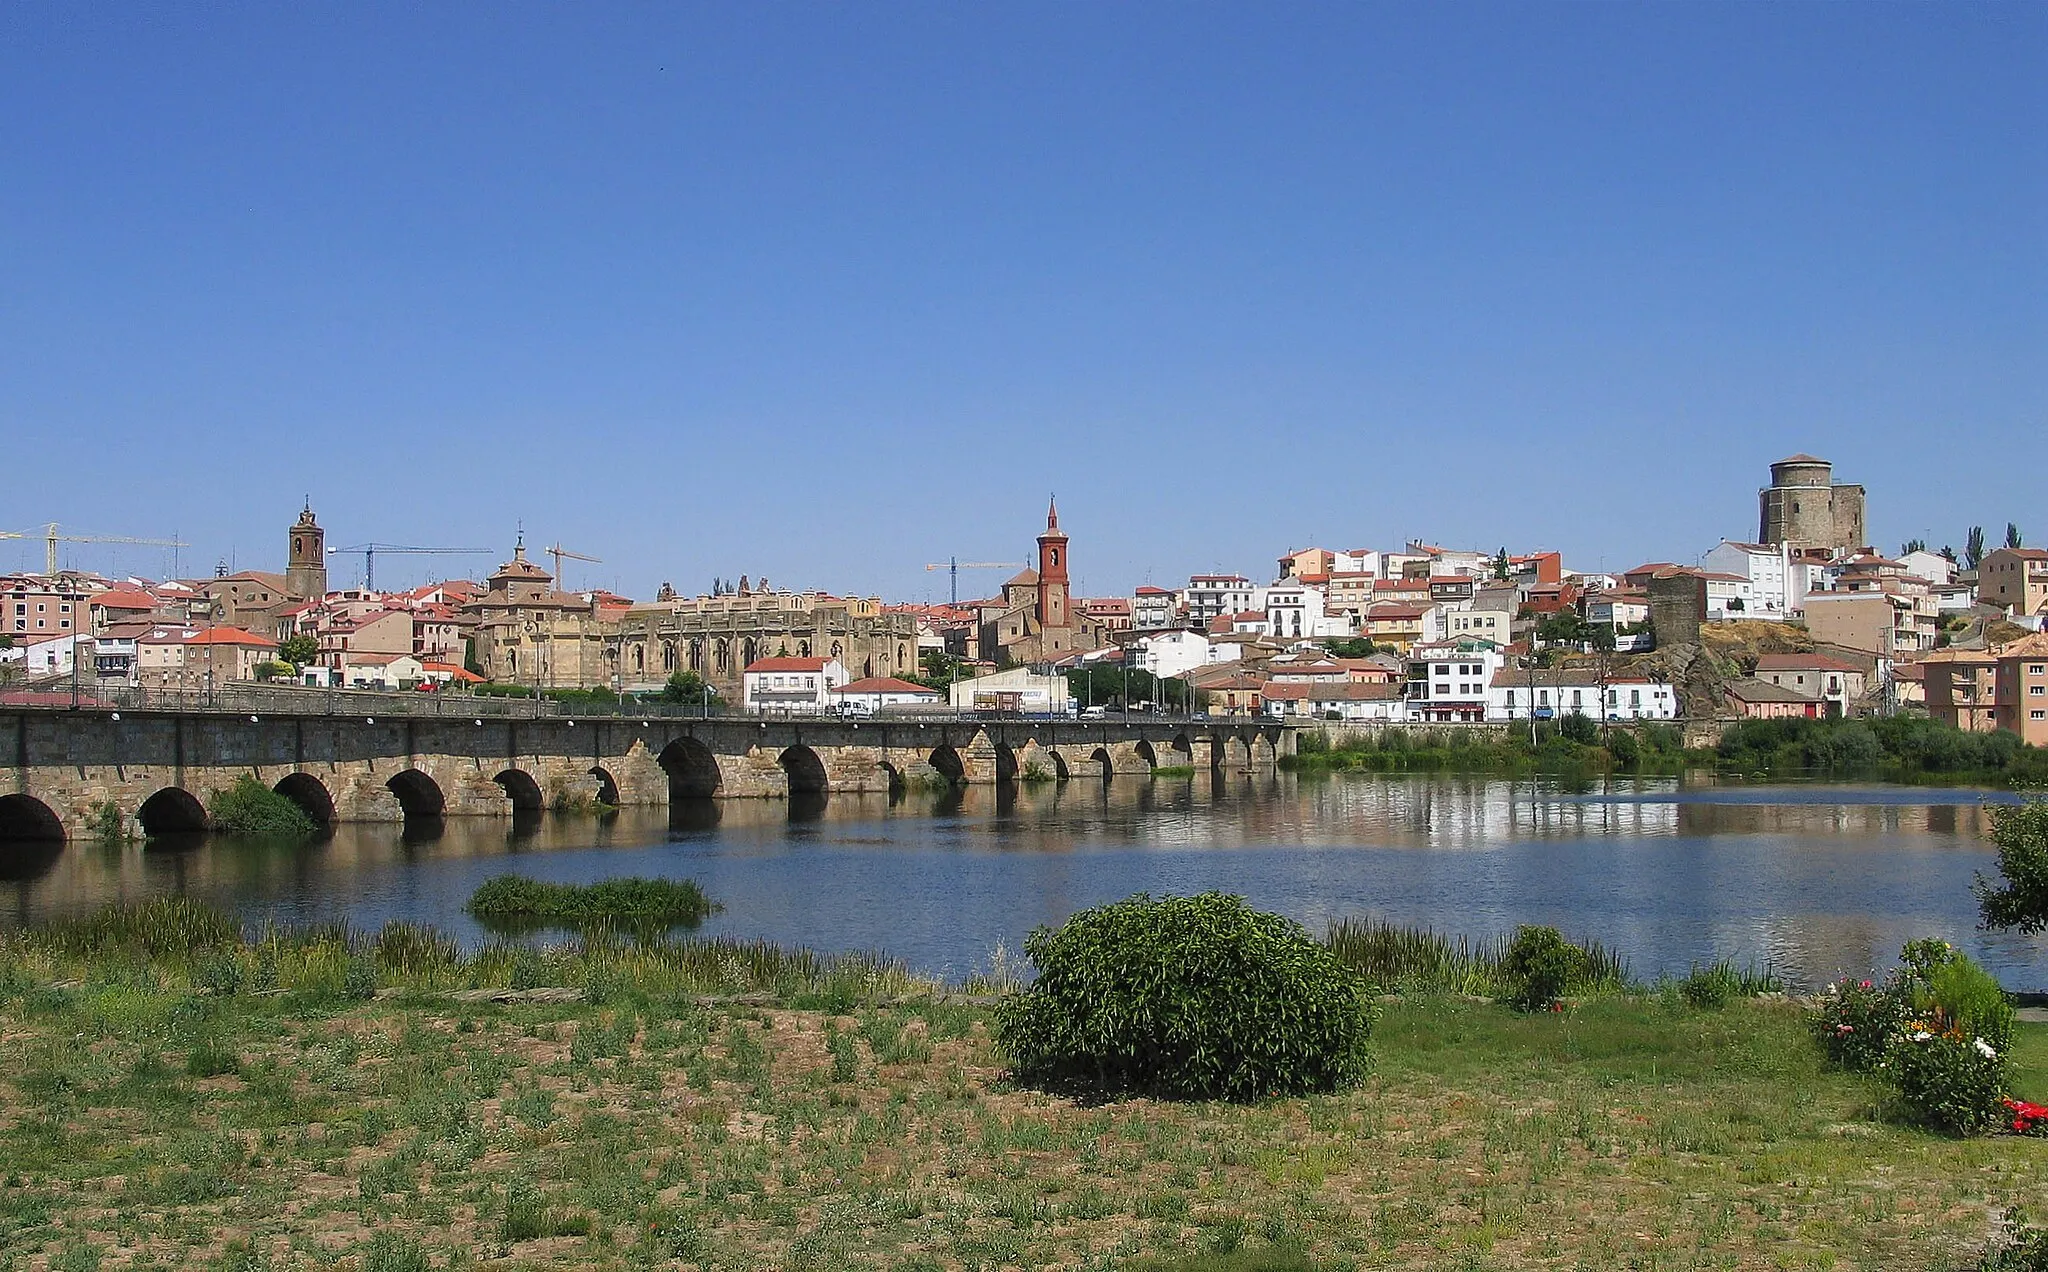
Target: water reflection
x,y
1819,880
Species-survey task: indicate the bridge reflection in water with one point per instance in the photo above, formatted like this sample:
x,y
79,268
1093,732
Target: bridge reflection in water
x,y
1820,881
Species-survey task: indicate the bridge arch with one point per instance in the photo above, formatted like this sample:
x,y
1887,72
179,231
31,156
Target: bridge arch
x,y
894,774
521,789
1006,763
172,811
24,819
946,760
419,795
1102,756
1146,753
806,771
310,794
692,770
607,785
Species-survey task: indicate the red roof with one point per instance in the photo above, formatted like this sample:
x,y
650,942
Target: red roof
x,y
125,598
886,684
1153,591
786,664
462,675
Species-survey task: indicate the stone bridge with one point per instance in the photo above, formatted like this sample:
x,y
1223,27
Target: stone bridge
x,y
58,769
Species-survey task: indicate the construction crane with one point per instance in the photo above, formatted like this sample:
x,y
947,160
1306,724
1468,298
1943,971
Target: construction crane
x,y
953,565
370,551
51,539
558,552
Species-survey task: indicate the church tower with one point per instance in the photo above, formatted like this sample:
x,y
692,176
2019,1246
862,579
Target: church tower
x,y
305,574
1052,571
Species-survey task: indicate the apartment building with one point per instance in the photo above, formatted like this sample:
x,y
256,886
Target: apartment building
x,y
2016,580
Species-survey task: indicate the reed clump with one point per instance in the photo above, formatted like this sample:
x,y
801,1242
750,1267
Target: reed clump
x,y
254,811
513,902
1419,960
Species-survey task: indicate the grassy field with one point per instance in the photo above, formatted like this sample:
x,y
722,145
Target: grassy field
x,y
146,1124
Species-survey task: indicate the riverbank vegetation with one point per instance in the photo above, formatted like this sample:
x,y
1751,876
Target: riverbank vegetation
x,y
515,903
1573,744
1899,748
182,1093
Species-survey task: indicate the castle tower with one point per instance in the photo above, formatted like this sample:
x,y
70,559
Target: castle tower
x,y
1052,571
1806,508
305,572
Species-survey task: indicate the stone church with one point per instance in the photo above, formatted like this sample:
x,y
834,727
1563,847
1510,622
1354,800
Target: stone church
x,y
1035,622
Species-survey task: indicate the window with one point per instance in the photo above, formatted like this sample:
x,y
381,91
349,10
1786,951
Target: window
x,y
2037,715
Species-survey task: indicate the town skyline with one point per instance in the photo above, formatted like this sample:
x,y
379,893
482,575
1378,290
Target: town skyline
x,y
830,296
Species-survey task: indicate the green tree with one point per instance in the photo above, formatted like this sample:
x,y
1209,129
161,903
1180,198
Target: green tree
x,y
1356,647
1566,627
1973,547
689,689
938,670
1105,684
299,651
1910,546
2012,535
1502,567
2021,832
6,668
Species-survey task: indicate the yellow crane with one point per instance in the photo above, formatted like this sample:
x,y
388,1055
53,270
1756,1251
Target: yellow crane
x,y
51,539
953,566
558,552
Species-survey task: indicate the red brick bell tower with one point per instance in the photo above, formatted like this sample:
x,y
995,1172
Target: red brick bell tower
x,y
1052,571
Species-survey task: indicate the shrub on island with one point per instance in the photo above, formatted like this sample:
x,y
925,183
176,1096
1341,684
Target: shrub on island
x,y
513,902
1185,998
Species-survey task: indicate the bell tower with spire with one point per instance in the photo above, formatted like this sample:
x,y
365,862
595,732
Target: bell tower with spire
x,y
305,573
1052,571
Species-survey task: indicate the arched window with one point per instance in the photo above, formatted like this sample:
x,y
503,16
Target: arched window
x,y
640,658
668,655
803,649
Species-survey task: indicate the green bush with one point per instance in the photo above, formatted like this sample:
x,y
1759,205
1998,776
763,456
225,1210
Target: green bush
x,y
253,810
1580,728
1539,967
1856,1022
1965,998
510,902
1185,998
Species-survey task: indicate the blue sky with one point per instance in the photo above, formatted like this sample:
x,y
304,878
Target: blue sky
x,y
828,292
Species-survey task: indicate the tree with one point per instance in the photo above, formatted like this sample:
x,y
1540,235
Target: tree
x,y
1502,568
1910,546
299,651
938,670
1948,554
1102,684
1356,647
1566,627
1973,547
690,689
2012,535
2021,832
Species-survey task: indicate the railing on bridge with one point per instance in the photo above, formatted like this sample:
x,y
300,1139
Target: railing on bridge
x,y
260,699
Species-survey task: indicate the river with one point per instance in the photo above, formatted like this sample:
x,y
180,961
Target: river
x,y
1818,880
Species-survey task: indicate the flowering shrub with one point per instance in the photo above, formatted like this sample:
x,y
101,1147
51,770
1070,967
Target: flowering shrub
x,y
1951,1081
1936,1029
2027,1119
1857,1021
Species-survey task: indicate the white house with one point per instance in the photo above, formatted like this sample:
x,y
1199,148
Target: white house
x,y
1448,681
1932,566
1730,597
1295,611
381,671
1211,596
1546,693
877,693
1776,588
49,655
1018,689
1342,700
790,686
1170,654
